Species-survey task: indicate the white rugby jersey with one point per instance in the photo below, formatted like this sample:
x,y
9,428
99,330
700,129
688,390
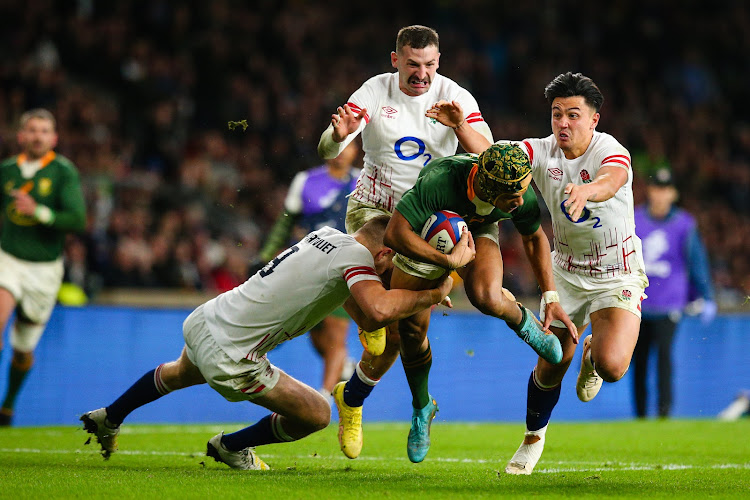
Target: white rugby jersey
x,y
602,243
290,295
399,140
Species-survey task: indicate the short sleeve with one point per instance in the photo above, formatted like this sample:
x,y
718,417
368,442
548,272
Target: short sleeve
x,y
355,263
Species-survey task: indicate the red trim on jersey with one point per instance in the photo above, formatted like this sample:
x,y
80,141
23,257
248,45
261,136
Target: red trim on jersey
x,y
357,110
356,271
621,159
474,117
530,152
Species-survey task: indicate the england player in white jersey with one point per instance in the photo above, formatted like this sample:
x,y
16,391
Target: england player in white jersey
x,y
406,119
585,177
612,248
227,338
390,111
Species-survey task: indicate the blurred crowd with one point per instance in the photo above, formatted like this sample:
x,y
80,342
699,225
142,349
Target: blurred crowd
x,y
144,92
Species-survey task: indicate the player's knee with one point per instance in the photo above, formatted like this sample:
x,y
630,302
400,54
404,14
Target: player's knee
x,y
319,416
491,301
412,330
611,370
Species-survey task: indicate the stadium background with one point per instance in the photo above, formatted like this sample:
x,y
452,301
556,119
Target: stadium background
x,y
178,203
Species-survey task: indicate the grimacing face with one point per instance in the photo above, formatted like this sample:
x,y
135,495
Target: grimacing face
x,y
573,123
37,137
507,202
416,68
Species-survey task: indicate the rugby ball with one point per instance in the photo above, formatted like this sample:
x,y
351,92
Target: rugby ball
x,y
443,230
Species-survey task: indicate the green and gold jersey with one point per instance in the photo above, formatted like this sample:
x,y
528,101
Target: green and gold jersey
x,y
447,184
56,185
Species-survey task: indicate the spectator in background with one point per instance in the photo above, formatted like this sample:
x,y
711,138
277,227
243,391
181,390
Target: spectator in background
x,y
41,201
677,267
317,198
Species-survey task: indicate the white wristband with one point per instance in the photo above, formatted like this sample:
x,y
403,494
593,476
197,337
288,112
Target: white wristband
x,y
44,214
550,296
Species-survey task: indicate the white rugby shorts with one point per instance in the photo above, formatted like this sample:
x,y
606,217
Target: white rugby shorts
x,y
581,295
235,381
357,213
34,285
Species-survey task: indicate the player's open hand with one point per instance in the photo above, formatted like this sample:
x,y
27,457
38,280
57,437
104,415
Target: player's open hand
x,y
577,197
464,251
449,114
345,121
553,311
25,204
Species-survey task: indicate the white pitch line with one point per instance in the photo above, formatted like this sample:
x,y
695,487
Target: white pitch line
x,y
594,466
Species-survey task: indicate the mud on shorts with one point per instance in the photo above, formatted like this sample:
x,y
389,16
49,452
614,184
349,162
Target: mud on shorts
x,y
235,381
34,286
582,295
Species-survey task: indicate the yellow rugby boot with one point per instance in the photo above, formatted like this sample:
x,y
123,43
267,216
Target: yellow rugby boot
x,y
350,423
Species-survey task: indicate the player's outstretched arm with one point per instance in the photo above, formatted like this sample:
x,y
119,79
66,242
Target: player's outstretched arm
x,y
371,306
604,186
345,123
451,114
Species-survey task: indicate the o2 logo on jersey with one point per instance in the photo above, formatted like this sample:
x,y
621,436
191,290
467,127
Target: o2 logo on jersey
x,y
584,215
408,140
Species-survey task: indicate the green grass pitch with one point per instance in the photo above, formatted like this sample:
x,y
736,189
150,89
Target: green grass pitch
x,y
623,459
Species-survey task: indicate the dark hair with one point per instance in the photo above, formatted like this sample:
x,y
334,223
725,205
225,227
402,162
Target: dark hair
x,y
417,37
572,85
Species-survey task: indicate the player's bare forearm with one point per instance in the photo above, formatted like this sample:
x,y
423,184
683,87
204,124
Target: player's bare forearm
x,y
400,237
451,114
604,186
472,140
373,307
538,252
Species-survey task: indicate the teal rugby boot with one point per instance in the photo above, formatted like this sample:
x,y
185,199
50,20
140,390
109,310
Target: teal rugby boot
x,y
418,443
544,343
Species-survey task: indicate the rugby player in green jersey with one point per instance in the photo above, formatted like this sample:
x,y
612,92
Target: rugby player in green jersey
x,y
41,201
484,190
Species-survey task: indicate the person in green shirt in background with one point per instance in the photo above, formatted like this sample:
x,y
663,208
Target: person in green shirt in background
x,y
41,201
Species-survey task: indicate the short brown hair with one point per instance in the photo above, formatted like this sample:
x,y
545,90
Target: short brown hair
x,y
374,229
417,37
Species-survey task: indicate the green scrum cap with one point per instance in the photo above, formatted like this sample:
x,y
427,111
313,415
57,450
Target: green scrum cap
x,y
502,167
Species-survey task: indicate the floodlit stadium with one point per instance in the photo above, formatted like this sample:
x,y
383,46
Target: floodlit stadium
x,y
184,152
